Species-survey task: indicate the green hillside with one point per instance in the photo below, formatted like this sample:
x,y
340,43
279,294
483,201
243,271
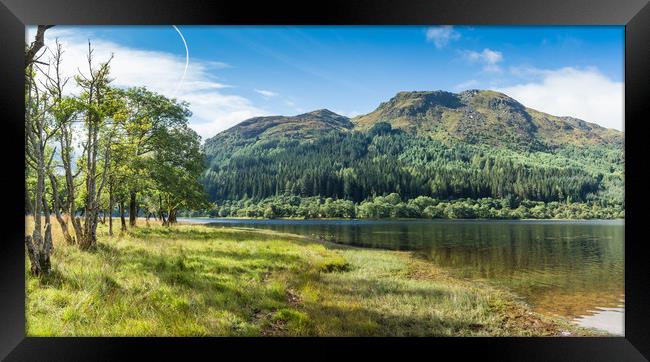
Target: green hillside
x,y
475,150
484,117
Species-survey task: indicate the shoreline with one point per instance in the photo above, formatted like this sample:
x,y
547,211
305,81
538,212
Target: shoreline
x,y
581,321
379,219
572,321
189,219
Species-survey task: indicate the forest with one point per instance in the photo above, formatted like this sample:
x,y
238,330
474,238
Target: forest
x,y
384,172
94,151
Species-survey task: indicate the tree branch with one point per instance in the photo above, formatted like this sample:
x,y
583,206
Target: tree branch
x,y
36,45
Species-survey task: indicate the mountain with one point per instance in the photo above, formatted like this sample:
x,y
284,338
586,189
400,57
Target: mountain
x,y
304,126
474,144
483,117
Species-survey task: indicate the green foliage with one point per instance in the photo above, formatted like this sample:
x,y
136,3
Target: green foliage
x,y
137,149
392,206
176,167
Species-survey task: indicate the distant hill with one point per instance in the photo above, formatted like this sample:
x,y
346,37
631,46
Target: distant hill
x,y
473,144
303,126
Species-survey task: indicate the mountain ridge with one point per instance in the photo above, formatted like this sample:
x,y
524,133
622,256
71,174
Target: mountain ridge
x,y
472,116
483,116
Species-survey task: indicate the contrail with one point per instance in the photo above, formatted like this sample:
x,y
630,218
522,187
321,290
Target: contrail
x,y
187,59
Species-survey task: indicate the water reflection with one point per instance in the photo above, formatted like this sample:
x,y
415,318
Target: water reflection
x,y
572,269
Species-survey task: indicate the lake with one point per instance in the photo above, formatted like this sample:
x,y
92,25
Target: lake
x,y
573,269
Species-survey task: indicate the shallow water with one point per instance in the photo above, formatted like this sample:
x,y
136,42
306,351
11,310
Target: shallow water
x,y
569,268
609,319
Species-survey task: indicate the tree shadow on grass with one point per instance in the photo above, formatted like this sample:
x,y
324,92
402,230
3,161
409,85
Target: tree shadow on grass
x,y
55,279
209,260
229,233
209,276
107,250
365,288
358,321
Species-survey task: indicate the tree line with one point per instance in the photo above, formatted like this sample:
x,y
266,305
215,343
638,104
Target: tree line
x,y
393,206
93,151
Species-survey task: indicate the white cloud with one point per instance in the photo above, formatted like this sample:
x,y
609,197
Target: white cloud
x,y
213,110
266,93
215,64
470,84
488,57
585,93
349,114
442,35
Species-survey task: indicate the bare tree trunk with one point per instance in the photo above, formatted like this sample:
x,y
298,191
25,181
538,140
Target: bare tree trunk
x,y
162,214
76,225
172,217
164,221
46,209
66,159
48,235
90,211
39,252
123,222
34,255
133,212
36,45
57,211
38,197
39,245
110,206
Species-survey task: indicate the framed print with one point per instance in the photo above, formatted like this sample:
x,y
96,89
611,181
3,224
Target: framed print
x,y
202,177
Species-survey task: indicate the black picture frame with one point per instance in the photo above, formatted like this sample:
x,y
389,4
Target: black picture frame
x,y
633,14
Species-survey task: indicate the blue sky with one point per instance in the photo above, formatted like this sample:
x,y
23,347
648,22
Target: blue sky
x,y
238,72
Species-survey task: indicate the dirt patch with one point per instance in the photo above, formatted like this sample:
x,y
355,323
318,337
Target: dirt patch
x,y
293,298
422,270
269,327
518,318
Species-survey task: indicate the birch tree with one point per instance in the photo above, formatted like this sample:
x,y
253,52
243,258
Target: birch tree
x,y
38,131
98,106
64,111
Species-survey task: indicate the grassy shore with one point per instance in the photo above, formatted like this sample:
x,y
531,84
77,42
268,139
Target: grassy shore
x,y
194,280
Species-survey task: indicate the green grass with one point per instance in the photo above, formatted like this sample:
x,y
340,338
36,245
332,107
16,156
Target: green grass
x,y
192,280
